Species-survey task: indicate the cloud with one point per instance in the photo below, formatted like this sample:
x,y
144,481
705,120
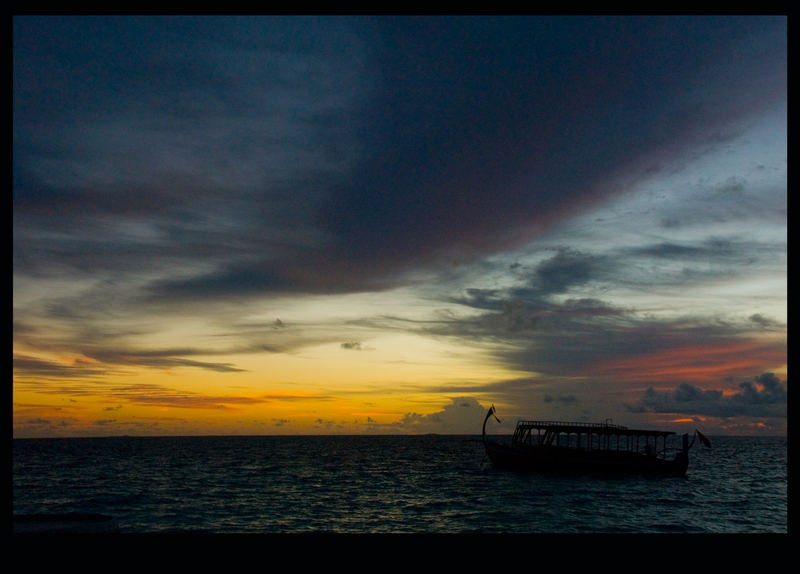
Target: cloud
x,y
561,399
568,269
104,422
462,416
577,197
97,361
356,346
158,358
530,140
313,155
564,270
764,396
190,153
159,395
35,367
139,393
551,320
601,342
293,397
766,323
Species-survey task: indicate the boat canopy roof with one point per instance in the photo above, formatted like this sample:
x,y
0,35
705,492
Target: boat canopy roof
x,y
588,428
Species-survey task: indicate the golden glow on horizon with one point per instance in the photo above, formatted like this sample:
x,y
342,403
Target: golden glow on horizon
x,y
323,388
366,384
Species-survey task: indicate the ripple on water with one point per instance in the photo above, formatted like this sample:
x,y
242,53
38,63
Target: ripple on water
x,y
385,484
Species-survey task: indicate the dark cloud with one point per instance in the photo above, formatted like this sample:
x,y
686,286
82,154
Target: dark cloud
x,y
104,422
27,366
96,362
556,275
157,358
766,323
331,155
563,270
538,325
202,132
541,333
512,124
716,250
603,342
561,399
764,396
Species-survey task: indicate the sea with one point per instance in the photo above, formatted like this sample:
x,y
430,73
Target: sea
x,y
427,484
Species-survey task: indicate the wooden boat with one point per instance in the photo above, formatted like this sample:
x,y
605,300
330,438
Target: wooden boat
x,y
573,447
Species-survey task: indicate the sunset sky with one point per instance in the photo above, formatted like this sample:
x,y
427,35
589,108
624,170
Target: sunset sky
x,y
316,225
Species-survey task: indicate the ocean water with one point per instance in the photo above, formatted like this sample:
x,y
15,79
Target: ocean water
x,y
387,484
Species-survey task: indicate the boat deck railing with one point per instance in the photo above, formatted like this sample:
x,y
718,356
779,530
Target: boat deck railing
x,y
586,428
564,424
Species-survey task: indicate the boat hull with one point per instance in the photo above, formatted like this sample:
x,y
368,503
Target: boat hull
x,y
566,460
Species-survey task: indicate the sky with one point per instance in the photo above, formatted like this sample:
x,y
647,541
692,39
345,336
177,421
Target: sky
x,y
384,225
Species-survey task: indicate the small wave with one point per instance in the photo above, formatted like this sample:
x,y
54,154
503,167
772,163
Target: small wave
x,y
384,484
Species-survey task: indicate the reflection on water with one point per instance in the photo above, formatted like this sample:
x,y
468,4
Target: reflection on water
x,y
386,484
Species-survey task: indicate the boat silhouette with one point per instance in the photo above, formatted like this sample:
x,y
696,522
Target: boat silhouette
x,y
579,447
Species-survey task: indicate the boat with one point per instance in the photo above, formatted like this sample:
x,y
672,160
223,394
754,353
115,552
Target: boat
x,y
579,447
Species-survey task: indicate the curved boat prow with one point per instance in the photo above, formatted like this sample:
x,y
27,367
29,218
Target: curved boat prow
x,y
490,413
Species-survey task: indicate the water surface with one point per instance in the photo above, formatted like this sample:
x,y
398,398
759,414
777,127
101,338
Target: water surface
x,y
387,484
